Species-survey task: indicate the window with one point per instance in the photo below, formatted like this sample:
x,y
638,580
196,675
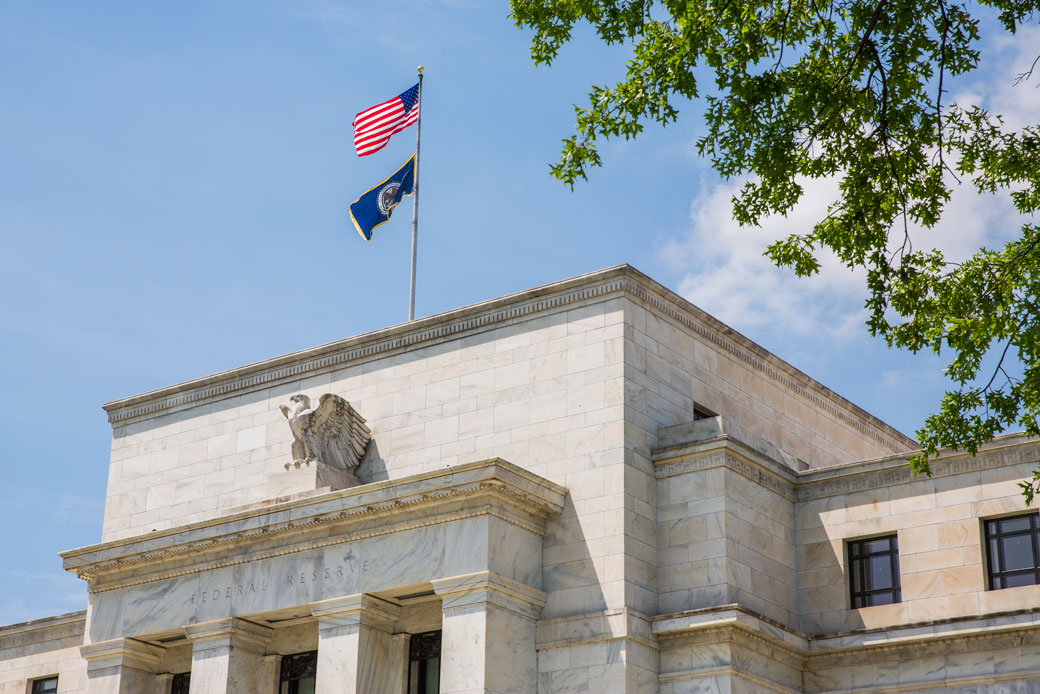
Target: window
x,y
1013,549
701,413
298,673
874,571
181,683
47,685
424,663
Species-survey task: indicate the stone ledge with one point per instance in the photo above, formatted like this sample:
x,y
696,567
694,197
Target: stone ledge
x,y
1004,451
229,632
124,652
595,627
684,624
718,427
727,450
42,630
829,665
1022,627
493,487
919,634
461,592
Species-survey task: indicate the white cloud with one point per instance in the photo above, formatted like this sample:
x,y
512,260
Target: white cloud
x,y
726,274
1012,56
724,270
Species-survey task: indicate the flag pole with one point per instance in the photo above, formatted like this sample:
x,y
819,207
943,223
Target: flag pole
x,y
415,202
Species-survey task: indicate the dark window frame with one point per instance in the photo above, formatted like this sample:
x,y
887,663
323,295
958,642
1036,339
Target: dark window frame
x,y
997,573
181,683
297,667
860,572
700,412
37,684
423,650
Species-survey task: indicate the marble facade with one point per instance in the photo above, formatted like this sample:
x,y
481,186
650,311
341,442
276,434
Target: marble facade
x,y
592,486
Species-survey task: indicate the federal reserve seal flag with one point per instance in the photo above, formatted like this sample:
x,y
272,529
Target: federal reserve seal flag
x,y
376,204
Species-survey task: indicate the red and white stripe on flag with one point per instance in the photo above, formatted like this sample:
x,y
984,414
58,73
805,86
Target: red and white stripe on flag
x,y
374,126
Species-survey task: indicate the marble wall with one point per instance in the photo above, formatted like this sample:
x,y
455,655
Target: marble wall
x,y
43,648
723,538
937,522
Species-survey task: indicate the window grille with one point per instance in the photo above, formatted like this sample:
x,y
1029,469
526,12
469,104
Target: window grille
x,y
46,685
298,673
181,683
424,663
1013,551
874,571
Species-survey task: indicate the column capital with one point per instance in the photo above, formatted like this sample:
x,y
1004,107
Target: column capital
x,y
360,609
229,632
458,592
123,652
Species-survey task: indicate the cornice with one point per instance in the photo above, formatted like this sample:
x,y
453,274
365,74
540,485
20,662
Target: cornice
x,y
463,591
622,280
43,630
728,452
586,628
974,634
493,487
1005,451
124,652
727,623
732,454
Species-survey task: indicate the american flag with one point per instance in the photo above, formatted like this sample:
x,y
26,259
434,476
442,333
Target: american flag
x,y
374,126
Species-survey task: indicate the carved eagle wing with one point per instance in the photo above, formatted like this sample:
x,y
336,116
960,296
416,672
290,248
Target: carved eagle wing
x,y
341,432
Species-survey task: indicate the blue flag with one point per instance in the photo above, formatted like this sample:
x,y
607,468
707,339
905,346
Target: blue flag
x,y
375,205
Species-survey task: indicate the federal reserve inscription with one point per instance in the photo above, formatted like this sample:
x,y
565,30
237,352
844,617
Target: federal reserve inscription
x,y
227,592
334,574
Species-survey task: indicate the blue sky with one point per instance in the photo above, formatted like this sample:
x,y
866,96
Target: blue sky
x,y
173,202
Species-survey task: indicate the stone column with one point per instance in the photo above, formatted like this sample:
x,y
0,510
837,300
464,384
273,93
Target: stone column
x,y
354,644
272,674
399,664
121,666
227,656
488,634
164,682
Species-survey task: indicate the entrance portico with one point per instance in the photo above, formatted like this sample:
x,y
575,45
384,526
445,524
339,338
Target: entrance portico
x,y
361,566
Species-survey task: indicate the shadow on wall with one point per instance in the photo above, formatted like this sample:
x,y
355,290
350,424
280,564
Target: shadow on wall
x,y
372,467
936,523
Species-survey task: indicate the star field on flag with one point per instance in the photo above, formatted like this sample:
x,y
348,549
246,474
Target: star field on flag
x,y
374,126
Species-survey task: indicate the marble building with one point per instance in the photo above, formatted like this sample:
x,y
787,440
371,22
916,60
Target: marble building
x,y
589,487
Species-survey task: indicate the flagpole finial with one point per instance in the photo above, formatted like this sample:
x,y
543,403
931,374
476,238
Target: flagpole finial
x,y
420,69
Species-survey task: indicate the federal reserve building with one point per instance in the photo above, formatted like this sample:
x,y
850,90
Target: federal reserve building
x,y
591,487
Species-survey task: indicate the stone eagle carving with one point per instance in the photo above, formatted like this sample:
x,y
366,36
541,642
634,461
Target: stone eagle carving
x,y
332,433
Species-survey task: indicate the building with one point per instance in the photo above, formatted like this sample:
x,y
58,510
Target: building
x,y
589,487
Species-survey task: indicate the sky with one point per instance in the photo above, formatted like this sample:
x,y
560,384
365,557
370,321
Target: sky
x,y
174,186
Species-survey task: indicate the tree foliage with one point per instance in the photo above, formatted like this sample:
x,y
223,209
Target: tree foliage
x,y
855,90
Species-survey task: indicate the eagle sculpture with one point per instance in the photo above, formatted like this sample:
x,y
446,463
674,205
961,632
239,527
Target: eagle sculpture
x,y
332,433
